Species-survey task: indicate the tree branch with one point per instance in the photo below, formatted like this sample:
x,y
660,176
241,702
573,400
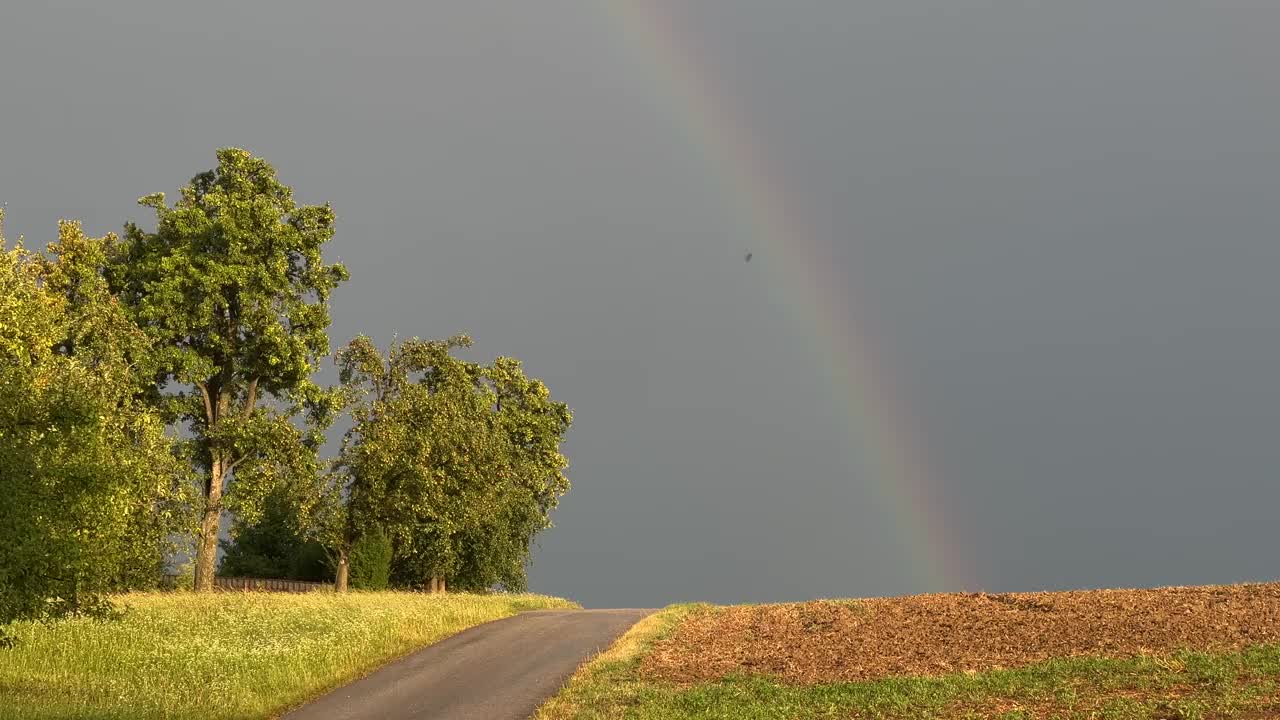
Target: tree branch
x,y
208,402
231,466
253,397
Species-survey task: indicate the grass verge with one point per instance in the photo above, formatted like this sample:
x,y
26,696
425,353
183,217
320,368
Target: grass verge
x,y
610,684
226,655
1182,686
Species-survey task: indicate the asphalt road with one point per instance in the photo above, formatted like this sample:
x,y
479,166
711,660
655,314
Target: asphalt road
x,y
501,670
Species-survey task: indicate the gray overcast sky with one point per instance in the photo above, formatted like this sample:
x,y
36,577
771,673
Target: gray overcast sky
x,y
1062,218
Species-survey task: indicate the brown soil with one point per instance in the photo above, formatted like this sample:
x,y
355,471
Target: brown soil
x,y
922,635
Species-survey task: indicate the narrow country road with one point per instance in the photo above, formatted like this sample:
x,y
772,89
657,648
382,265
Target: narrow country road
x,y
502,670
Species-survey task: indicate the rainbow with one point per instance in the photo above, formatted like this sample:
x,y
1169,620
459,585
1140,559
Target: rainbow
x,y
885,447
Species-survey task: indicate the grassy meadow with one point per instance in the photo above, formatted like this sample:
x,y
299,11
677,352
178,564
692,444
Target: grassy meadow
x,y
1183,686
226,655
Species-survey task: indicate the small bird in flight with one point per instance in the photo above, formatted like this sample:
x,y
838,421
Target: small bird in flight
x,y
748,258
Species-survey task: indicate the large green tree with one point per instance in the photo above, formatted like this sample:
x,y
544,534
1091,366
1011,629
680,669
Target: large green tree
x,y
90,491
459,462
233,292
534,427
388,474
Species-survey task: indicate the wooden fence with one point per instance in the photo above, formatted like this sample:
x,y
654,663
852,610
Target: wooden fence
x,y
261,584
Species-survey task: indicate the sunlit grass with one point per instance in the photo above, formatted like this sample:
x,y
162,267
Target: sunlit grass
x,y
608,685
1186,686
226,655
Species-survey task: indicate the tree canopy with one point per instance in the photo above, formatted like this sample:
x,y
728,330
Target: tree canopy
x,y
233,292
90,491
155,383
458,462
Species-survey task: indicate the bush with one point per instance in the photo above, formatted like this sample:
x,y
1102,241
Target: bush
x,y
371,561
311,563
273,547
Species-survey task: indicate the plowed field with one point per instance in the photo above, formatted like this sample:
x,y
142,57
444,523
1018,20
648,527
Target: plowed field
x,y
930,635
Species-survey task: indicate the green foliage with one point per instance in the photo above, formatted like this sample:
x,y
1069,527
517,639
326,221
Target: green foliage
x,y
232,280
274,545
89,490
460,463
311,562
212,325
233,293
371,561
533,426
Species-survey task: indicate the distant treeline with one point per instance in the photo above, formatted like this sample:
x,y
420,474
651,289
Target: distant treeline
x,y
155,382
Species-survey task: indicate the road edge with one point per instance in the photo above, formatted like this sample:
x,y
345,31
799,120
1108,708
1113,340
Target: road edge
x,y
283,712
614,664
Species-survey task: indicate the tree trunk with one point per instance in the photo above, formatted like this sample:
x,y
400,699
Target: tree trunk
x,y
207,543
344,569
437,584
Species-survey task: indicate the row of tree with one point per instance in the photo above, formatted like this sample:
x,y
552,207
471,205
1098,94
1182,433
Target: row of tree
x,y
153,383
